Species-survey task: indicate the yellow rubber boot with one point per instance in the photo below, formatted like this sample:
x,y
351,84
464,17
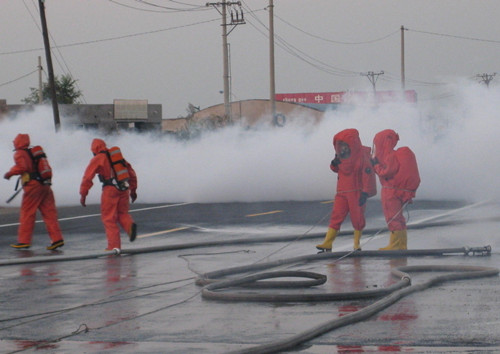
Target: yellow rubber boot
x,y
357,238
326,246
393,244
402,239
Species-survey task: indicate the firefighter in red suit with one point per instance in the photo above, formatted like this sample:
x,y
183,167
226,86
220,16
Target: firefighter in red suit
x,y
350,197
399,177
36,196
114,202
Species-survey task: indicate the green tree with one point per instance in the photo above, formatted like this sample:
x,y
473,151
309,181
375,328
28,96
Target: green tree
x,y
66,91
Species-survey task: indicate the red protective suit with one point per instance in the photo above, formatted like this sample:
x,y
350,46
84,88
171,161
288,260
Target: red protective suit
x,y
36,196
114,202
398,175
349,181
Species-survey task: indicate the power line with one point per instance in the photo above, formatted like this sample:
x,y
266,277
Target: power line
x,y
327,68
193,7
65,68
455,36
110,38
319,65
301,55
184,3
390,77
334,41
19,78
166,9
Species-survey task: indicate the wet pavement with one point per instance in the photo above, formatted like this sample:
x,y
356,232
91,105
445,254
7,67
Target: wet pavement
x,y
149,302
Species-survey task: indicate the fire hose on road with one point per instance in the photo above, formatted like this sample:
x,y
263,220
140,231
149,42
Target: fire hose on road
x,y
391,294
403,287
457,273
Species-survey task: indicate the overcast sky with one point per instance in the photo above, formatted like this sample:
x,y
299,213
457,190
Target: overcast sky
x,y
170,52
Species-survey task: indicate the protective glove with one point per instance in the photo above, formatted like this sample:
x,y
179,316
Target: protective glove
x,y
25,178
336,161
374,161
362,199
133,196
7,176
82,201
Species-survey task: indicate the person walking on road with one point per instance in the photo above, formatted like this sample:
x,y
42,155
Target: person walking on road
x,y
116,191
399,177
355,183
37,195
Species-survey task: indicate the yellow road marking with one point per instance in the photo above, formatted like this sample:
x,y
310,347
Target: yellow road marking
x,y
269,212
327,202
162,232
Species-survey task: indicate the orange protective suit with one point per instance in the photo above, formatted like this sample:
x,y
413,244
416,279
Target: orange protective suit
x,y
114,202
349,181
36,196
398,183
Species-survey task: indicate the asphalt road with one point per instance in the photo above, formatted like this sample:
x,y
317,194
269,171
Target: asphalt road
x,y
146,300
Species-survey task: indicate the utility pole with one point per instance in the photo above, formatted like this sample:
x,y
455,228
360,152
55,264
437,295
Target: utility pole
x,y
45,32
373,77
486,78
272,89
40,85
402,58
236,19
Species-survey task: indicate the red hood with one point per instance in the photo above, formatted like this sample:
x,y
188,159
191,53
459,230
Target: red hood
x,y
350,137
97,146
21,141
384,142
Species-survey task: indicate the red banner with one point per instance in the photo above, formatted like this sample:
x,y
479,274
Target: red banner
x,y
347,97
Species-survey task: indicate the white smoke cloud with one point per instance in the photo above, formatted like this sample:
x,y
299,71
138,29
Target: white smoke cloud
x,y
455,143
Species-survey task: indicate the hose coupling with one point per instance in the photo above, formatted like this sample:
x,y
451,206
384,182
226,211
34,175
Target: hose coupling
x,y
479,251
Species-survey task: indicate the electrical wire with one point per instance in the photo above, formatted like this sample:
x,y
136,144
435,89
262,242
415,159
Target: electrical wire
x,y
319,65
19,78
391,77
185,257
64,65
454,36
192,7
106,300
299,54
370,41
111,38
295,240
107,325
166,9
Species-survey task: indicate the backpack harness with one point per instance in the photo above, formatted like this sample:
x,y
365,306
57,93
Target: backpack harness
x,y
119,172
43,171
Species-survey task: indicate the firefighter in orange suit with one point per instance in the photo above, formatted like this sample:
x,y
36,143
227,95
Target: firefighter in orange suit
x,y
37,195
350,197
399,177
114,200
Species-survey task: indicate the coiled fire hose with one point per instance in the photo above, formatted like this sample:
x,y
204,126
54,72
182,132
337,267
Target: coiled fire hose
x,y
390,295
394,293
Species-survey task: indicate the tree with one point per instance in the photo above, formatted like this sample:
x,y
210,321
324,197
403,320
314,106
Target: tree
x,y
66,91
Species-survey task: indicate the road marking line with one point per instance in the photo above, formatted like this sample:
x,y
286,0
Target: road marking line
x,y
162,232
94,215
269,212
159,207
449,212
327,202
